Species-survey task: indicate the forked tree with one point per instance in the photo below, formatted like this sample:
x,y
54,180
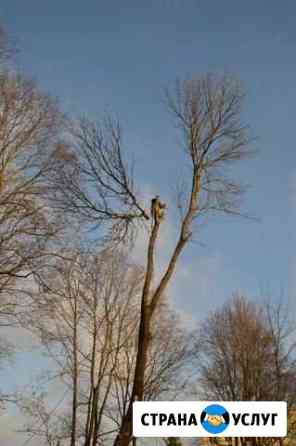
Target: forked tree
x,y
98,186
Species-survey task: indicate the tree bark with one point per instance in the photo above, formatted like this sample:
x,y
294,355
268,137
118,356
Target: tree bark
x,y
148,306
75,377
124,436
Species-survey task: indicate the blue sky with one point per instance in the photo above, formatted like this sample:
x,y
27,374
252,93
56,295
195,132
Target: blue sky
x,y
118,56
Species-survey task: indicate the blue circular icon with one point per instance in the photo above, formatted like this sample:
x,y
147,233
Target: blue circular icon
x,y
214,419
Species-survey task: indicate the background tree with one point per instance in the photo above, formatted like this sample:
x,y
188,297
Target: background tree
x,y
29,126
247,352
87,319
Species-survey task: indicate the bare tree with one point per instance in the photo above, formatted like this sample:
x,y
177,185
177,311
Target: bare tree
x,y
248,353
29,125
82,318
207,111
87,319
97,185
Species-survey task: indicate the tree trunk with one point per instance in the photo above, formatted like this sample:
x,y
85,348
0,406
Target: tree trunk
x,y
123,438
125,433
75,377
148,306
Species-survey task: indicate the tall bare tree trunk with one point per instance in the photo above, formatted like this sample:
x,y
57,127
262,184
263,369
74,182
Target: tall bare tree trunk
x,y
75,377
123,438
149,304
124,435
